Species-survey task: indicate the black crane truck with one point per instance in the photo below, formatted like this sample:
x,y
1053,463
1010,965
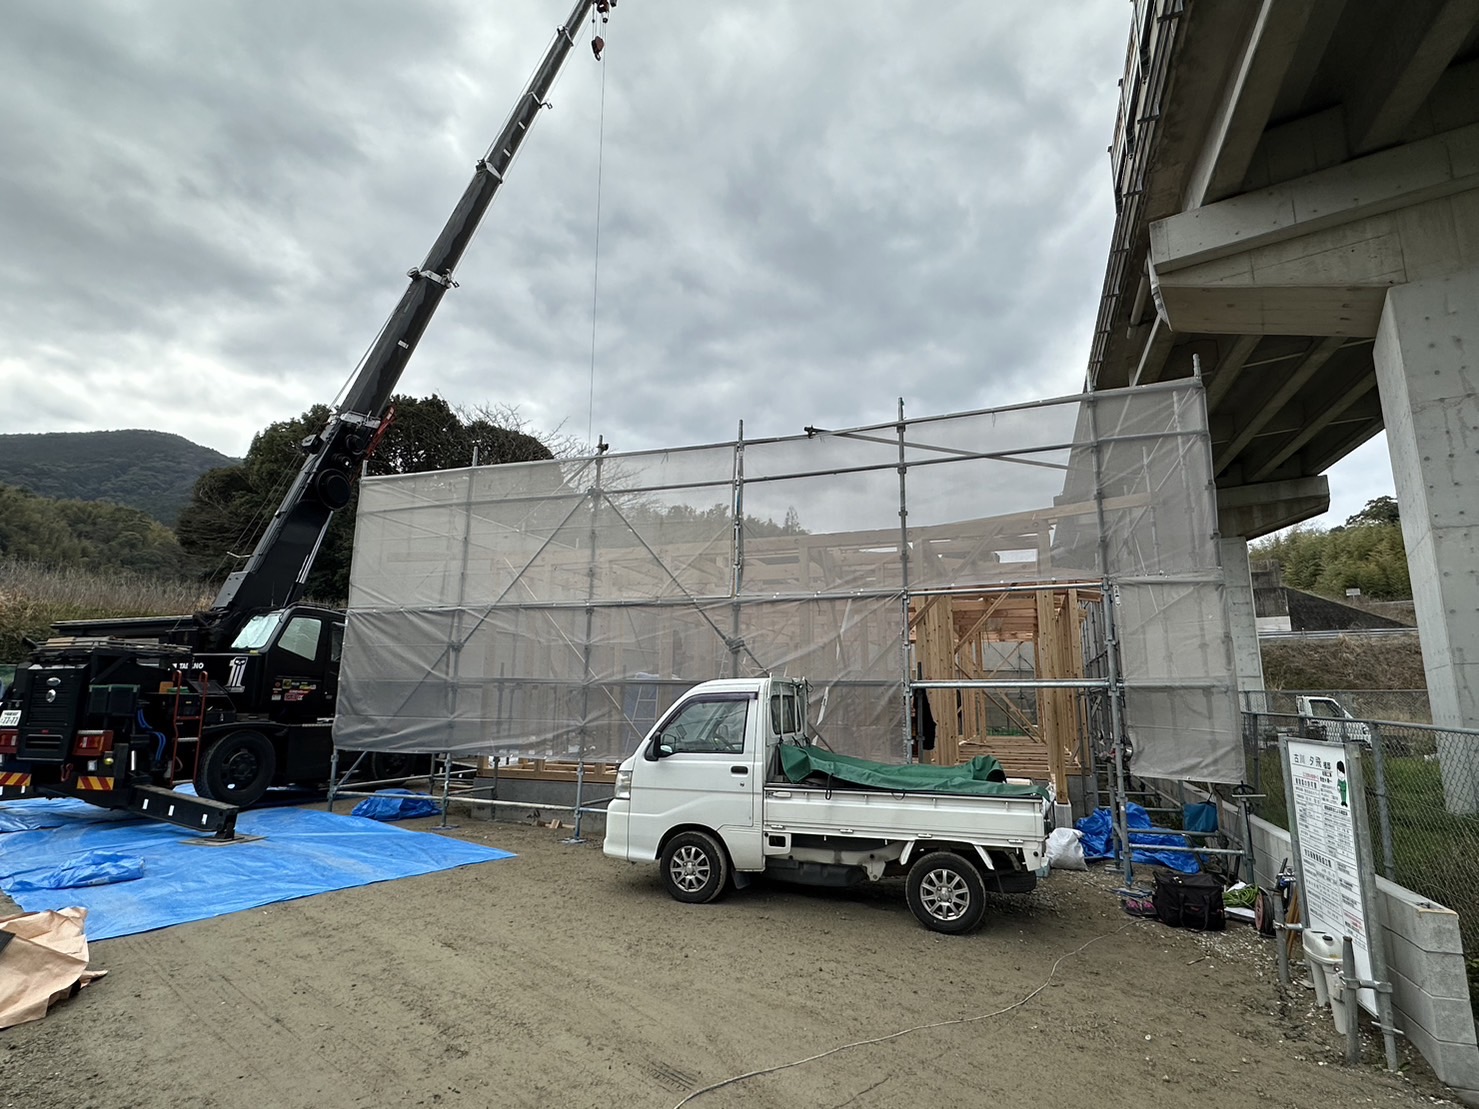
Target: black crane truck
x,y
241,696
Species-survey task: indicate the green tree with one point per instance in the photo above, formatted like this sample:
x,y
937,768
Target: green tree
x,y
1379,512
230,507
92,535
1366,554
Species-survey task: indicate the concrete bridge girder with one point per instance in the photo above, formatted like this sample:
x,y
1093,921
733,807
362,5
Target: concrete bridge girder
x,y
1385,248
1316,256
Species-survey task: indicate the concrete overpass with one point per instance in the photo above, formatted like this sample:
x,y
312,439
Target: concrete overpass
x,y
1297,196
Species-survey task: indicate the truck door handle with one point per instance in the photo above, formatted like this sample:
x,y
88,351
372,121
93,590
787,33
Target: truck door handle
x,y
739,769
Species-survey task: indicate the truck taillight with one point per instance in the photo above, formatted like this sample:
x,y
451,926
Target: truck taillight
x,y
92,743
9,741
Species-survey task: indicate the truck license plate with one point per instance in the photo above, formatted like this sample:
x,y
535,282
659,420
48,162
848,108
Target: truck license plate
x,y
10,718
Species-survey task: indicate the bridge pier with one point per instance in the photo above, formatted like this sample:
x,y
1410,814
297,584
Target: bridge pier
x,y
1427,370
1386,248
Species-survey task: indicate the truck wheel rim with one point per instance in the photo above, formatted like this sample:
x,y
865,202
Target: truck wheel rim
x,y
690,868
240,770
944,894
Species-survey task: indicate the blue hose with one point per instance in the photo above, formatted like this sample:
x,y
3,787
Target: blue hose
x,y
144,727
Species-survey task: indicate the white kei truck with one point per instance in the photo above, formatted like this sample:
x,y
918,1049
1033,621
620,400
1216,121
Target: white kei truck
x,y
1327,718
726,786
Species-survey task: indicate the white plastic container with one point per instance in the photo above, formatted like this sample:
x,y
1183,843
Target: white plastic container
x,y
1322,956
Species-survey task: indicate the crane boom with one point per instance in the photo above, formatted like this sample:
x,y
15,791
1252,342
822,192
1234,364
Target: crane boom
x,y
276,572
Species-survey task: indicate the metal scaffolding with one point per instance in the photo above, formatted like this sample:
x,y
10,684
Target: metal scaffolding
x,y
555,609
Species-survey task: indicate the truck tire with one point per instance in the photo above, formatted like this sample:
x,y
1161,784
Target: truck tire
x,y
946,893
237,768
388,765
695,868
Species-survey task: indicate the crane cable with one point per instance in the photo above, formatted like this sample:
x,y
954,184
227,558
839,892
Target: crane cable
x,y
590,404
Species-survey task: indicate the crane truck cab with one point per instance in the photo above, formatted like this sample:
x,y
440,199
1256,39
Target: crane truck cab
x,y
101,711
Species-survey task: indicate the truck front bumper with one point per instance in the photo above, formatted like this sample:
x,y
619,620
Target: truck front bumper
x,y
617,821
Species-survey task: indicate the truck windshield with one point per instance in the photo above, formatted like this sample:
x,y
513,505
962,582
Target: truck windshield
x,y
1328,709
257,632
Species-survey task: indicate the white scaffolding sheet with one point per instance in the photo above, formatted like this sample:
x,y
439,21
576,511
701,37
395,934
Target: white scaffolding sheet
x,y
554,609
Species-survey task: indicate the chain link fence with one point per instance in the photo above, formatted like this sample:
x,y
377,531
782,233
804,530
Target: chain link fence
x,y
1422,791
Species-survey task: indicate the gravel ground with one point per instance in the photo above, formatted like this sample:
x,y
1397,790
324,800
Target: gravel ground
x,y
563,978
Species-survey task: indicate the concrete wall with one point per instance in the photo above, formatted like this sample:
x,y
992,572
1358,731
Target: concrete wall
x,y
1425,960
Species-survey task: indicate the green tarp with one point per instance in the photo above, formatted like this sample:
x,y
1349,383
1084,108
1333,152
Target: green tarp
x,y
982,776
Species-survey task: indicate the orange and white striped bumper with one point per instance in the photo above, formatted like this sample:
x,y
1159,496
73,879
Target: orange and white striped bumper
x,y
11,778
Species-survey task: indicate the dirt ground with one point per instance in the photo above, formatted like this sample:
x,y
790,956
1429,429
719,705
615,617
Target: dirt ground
x,y
563,978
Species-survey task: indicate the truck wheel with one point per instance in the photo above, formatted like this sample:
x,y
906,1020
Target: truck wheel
x,y
695,868
946,893
386,765
237,768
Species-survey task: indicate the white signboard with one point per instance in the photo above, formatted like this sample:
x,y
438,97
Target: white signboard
x,y
1331,893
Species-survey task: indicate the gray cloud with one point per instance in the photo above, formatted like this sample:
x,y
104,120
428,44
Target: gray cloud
x,y
806,210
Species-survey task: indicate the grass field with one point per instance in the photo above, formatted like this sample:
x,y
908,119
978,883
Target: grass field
x,y
33,597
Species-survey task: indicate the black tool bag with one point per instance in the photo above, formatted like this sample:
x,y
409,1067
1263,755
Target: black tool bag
x,y
1189,901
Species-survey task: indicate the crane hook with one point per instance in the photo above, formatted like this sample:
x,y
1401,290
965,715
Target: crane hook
x,y
597,45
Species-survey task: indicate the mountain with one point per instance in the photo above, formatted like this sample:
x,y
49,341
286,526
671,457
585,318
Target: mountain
x,y
152,471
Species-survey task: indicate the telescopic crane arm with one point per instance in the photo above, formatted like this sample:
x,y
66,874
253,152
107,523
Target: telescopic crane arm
x,y
278,568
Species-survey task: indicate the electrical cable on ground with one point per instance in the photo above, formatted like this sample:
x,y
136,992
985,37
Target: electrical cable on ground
x,y
906,1031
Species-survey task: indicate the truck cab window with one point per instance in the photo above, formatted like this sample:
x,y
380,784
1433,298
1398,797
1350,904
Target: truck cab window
x,y
300,637
256,633
707,727
784,718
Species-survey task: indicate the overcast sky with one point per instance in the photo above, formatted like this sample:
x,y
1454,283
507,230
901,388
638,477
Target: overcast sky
x,y
806,211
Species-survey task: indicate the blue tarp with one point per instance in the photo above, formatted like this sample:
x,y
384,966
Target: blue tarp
x,y
303,852
91,868
1098,840
395,804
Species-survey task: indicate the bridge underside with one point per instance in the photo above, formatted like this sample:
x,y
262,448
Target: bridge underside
x,y
1297,187
1278,167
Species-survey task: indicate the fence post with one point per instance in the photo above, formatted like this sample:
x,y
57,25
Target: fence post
x,y
1383,803
1253,745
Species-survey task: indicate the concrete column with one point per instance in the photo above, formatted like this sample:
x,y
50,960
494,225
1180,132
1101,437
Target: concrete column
x,y
1242,619
1427,369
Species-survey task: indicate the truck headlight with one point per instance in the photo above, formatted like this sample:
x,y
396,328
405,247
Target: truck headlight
x,y
623,785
